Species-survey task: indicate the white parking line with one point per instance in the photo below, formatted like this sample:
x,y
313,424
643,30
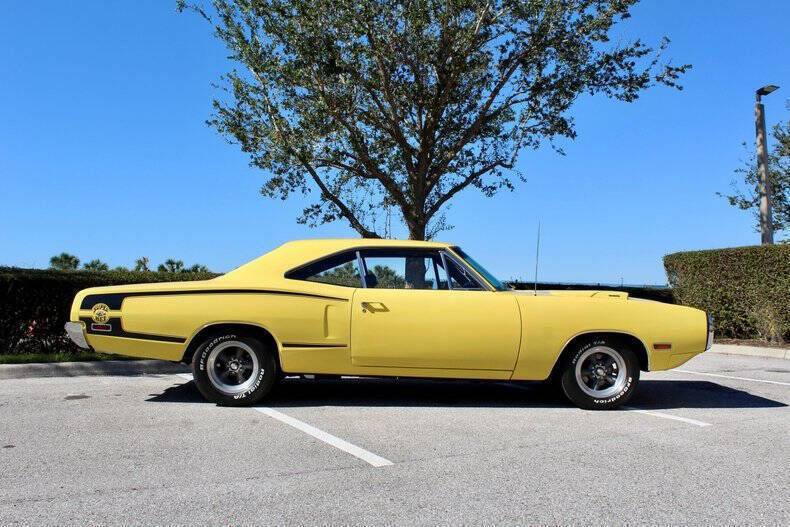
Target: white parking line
x,y
326,437
732,377
345,446
667,416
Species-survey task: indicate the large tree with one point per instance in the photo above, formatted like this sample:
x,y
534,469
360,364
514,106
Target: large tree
x,y
398,106
746,193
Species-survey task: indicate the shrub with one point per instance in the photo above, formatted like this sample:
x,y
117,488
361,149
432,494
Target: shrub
x,y
36,303
745,289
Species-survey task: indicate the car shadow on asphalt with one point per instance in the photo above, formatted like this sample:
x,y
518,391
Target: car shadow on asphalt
x,y
372,392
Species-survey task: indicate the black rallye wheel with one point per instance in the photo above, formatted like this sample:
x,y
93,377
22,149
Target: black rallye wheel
x,y
234,369
600,374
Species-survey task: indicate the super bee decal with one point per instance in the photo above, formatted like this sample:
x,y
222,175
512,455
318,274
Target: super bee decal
x,y
100,313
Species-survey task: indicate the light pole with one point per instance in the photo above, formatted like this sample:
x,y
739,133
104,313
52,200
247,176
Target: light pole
x,y
763,181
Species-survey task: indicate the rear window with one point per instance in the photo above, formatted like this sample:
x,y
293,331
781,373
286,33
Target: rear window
x,y
339,269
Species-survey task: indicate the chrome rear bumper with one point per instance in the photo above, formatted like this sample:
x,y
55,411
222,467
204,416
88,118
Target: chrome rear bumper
x,y
709,343
76,334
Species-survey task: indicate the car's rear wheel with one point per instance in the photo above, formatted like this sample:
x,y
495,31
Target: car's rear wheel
x,y
600,374
234,369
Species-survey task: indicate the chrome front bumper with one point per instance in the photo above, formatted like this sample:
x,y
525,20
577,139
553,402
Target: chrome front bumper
x,y
76,334
709,343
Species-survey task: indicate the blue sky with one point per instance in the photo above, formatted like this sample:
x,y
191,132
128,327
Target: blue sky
x,y
104,152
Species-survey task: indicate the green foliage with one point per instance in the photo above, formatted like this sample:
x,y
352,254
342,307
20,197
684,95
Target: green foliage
x,y
177,266
197,268
388,278
345,275
96,265
171,266
746,196
37,303
745,289
64,262
383,106
141,264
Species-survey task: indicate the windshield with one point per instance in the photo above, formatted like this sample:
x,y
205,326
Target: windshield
x,y
499,286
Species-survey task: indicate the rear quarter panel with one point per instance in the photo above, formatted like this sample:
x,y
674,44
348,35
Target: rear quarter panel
x,y
550,322
312,316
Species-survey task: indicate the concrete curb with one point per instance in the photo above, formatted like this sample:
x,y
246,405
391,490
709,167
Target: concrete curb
x,y
750,351
74,369
149,367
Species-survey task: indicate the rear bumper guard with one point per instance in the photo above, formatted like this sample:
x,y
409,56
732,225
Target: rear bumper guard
x,y
76,333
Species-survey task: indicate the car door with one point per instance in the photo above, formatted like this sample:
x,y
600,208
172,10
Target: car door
x,y
424,309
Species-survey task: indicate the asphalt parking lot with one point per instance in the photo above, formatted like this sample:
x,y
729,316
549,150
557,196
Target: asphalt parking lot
x,y
707,447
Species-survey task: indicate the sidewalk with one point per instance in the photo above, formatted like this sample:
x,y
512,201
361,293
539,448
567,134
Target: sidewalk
x,y
751,351
74,369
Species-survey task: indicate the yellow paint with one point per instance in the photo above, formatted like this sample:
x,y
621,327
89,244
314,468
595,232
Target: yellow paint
x,y
405,332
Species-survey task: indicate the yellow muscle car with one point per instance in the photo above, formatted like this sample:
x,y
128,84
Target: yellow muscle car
x,y
387,308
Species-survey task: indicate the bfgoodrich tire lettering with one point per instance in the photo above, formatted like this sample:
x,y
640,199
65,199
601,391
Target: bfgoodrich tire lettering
x,y
234,369
600,374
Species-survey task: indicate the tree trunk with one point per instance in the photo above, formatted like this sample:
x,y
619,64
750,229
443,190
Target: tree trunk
x,y
415,266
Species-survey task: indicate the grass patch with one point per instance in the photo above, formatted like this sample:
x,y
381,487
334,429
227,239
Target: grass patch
x,y
68,356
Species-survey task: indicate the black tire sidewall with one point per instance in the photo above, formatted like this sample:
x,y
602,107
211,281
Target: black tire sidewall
x,y
267,377
575,394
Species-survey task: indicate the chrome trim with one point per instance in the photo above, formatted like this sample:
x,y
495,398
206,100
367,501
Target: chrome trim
x,y
76,333
362,270
709,342
363,247
446,272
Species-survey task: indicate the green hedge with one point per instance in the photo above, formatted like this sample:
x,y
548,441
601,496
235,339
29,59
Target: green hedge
x,y
36,303
660,294
745,289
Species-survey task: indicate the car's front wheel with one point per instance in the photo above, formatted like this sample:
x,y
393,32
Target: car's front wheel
x,y
600,374
233,369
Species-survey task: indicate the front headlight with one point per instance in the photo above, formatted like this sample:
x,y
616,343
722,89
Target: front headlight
x,y
709,343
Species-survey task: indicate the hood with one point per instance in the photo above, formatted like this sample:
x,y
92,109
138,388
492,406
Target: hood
x,y
588,294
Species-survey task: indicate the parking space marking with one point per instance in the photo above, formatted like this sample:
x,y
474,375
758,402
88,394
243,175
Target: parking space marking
x,y
732,377
326,437
667,416
345,446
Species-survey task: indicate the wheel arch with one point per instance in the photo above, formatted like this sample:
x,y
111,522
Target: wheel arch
x,y
247,327
636,343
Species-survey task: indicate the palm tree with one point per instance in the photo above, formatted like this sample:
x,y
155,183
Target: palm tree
x,y
64,262
141,264
171,266
96,265
198,268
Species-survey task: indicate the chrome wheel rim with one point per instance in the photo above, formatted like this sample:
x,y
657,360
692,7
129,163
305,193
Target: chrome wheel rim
x,y
601,372
233,367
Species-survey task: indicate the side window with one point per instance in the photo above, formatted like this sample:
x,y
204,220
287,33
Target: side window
x,y
460,278
404,270
340,269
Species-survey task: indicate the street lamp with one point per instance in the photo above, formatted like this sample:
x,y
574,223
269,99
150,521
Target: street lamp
x,y
764,183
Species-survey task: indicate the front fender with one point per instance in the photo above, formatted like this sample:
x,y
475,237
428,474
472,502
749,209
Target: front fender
x,y
551,322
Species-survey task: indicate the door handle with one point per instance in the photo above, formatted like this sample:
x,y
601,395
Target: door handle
x,y
374,307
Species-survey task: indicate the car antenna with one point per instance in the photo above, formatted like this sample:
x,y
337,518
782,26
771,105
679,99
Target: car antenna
x,y
537,254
